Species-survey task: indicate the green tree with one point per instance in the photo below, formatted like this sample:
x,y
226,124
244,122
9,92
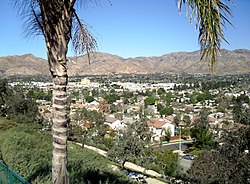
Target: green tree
x,y
159,107
167,135
161,91
203,137
95,92
192,99
3,94
39,94
113,108
241,114
149,101
168,97
168,161
91,116
167,111
111,98
177,120
22,109
131,143
89,99
228,163
186,120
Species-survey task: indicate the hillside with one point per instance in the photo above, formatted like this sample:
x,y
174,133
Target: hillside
x,y
230,62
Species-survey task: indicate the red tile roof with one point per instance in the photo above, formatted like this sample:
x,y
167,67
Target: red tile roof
x,y
157,123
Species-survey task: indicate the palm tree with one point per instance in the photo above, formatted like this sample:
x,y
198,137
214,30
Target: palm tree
x,y
58,22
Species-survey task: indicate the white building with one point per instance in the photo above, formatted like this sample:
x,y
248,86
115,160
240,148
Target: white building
x,y
159,127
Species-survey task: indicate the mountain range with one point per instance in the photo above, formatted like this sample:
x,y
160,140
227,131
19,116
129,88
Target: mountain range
x,y
229,62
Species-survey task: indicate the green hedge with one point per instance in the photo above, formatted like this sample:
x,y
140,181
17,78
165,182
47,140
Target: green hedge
x,y
28,151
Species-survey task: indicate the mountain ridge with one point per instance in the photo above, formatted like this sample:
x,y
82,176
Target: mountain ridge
x,y
229,62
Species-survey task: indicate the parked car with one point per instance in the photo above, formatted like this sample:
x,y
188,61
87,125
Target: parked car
x,y
188,157
135,176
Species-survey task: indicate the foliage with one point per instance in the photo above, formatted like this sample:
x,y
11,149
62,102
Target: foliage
x,y
229,163
127,96
167,111
113,108
167,135
177,120
131,143
161,91
243,98
185,131
200,131
86,166
168,97
164,110
91,116
200,97
241,114
148,93
111,98
108,141
115,86
167,160
22,109
159,107
203,137
27,150
39,94
95,92
6,124
149,101
3,94
186,120
192,99
89,99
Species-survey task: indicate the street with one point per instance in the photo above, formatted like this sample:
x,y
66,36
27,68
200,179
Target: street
x,y
185,164
175,145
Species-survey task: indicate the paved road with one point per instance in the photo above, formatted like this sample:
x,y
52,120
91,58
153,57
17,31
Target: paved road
x,y
185,164
175,145
130,166
154,181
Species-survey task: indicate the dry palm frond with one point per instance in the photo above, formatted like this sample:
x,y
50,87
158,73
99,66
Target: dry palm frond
x,y
82,40
29,11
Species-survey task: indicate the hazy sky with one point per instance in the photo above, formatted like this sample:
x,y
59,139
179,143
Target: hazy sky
x,y
129,28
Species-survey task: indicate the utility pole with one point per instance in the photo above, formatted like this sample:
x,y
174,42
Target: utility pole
x,y
180,139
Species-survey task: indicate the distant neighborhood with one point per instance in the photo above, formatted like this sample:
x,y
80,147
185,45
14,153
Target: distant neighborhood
x,y
166,106
162,127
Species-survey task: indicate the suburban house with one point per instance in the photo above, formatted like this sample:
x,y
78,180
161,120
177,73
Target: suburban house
x,y
93,106
114,123
159,126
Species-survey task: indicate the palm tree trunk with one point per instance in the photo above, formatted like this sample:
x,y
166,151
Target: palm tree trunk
x,y
58,68
59,130
57,25
57,47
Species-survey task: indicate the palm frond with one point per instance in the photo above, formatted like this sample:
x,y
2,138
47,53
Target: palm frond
x,y
91,3
211,17
82,40
29,11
